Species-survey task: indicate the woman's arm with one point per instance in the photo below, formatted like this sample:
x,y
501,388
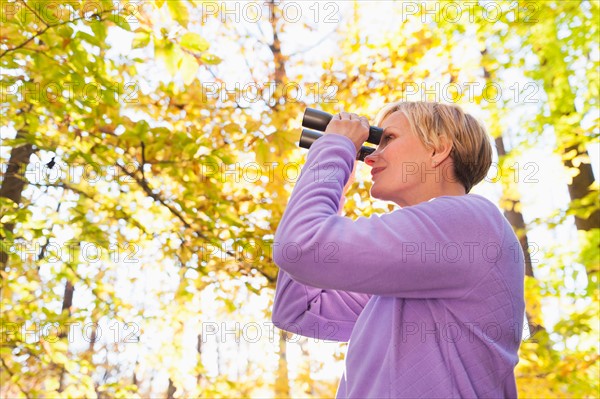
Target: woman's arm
x,y
314,312
437,249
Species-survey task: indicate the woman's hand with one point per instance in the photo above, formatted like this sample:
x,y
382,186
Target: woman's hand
x,y
355,127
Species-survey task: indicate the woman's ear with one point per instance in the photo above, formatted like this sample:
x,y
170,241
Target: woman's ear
x,y
442,151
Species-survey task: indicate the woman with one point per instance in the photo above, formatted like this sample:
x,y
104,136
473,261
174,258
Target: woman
x,y
430,296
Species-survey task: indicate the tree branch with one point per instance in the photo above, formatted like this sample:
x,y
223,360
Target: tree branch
x,y
9,371
39,33
148,190
34,12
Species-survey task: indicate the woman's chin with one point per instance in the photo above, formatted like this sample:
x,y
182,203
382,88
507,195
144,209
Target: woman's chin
x,y
375,193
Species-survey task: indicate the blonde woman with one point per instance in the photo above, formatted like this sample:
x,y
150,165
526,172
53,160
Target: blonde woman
x,y
430,296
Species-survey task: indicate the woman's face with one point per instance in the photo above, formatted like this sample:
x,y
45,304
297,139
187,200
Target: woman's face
x,y
401,164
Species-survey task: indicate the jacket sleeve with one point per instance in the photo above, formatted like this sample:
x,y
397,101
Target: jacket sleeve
x,y
437,249
314,312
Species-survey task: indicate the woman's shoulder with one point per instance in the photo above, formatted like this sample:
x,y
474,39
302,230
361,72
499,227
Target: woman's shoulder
x,y
468,208
468,203
463,211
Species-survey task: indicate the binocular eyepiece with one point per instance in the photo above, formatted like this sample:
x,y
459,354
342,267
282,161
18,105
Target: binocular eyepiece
x,y
318,120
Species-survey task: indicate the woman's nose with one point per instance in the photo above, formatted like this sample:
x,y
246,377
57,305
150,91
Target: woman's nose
x,y
370,159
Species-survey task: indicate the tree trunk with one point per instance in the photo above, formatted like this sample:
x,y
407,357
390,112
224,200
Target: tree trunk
x,y
171,390
282,383
515,218
12,187
580,187
280,74
307,378
553,66
199,350
66,306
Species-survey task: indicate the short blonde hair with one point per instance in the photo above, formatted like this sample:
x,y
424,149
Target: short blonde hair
x,y
471,147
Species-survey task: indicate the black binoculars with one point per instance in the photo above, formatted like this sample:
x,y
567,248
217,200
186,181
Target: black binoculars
x,y
318,120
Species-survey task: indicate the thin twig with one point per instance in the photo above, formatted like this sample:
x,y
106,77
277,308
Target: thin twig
x,y
149,191
39,33
9,371
34,12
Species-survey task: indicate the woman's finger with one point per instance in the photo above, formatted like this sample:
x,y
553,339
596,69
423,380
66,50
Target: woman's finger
x,y
364,121
344,116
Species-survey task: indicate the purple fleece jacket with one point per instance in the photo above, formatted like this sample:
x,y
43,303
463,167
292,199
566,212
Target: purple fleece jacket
x,y
429,297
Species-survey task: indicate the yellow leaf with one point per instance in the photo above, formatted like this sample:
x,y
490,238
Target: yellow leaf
x,y
578,160
170,55
569,155
194,42
179,11
141,39
210,59
189,67
262,152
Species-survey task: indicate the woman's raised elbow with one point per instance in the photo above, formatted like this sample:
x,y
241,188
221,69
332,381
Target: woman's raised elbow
x,y
287,252
280,242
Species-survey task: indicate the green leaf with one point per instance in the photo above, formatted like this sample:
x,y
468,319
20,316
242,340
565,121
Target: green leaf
x,y
188,69
170,55
88,38
262,152
194,42
65,31
5,351
122,23
232,220
210,59
225,156
99,29
141,39
232,128
179,11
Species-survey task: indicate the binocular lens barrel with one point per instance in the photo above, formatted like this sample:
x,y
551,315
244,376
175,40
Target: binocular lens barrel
x,y
318,120
309,136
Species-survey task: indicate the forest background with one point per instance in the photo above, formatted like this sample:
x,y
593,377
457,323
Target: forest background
x,y
149,149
